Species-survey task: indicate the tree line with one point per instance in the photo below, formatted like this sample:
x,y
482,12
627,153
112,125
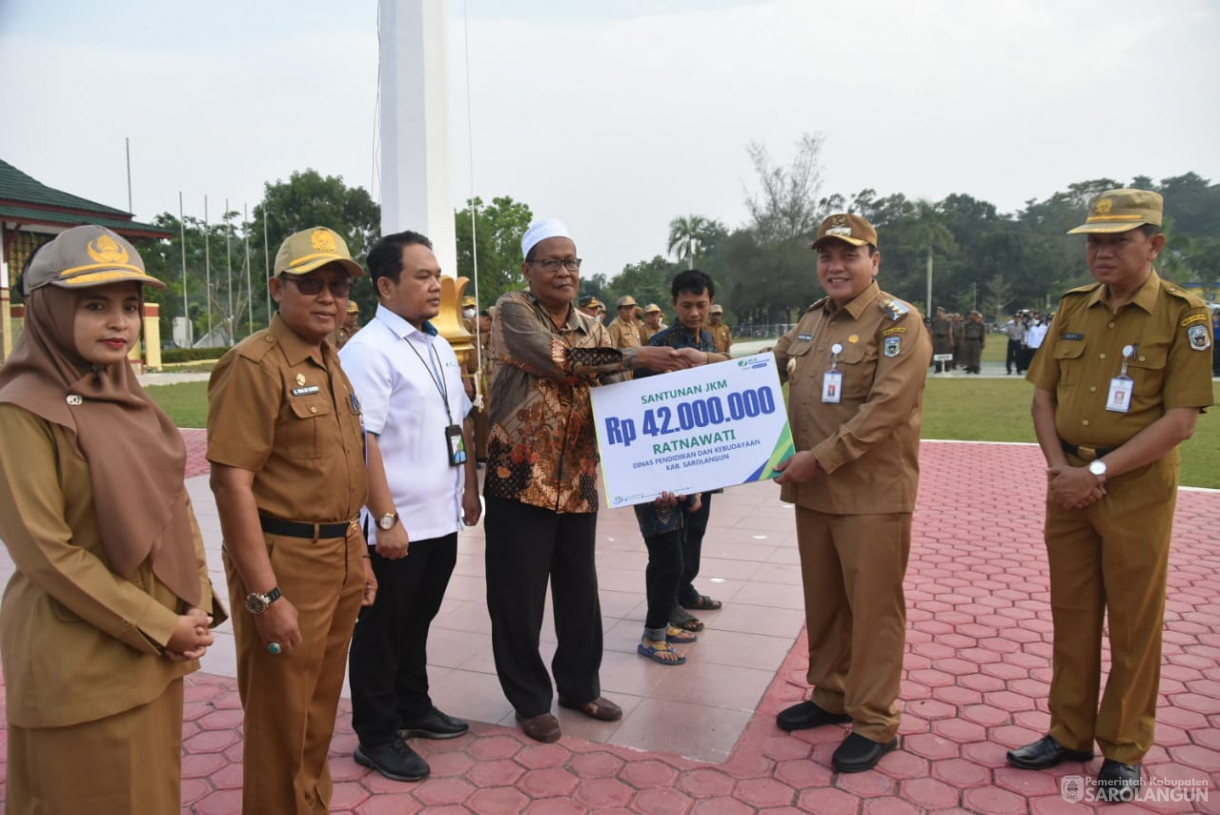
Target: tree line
x,y
980,257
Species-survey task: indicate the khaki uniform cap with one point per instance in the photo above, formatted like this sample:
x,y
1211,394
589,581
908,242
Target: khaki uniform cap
x,y
309,249
626,300
352,308
86,256
469,301
1122,210
848,228
717,310
590,302
652,308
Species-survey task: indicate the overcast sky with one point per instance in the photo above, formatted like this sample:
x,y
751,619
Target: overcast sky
x,y
618,115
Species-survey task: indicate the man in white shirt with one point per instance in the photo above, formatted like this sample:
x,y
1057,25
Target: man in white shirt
x,y
422,487
1033,339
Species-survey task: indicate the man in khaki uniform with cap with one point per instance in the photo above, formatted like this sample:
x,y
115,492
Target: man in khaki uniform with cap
x,y
623,329
856,363
652,323
286,447
351,324
721,332
1119,382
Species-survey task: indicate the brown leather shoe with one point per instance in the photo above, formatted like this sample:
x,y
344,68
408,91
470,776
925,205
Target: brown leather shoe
x,y
544,727
600,708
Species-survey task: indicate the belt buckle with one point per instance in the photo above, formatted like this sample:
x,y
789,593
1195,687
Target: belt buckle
x,y
1087,453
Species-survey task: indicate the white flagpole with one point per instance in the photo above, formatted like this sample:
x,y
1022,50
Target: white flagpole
x,y
245,227
207,263
186,311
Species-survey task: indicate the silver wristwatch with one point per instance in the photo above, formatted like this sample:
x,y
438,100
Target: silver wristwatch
x,y
386,522
257,603
1098,468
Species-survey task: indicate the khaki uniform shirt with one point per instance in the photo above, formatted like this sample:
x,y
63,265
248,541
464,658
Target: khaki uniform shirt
x,y
868,444
647,332
723,336
623,334
284,410
542,449
79,642
1084,351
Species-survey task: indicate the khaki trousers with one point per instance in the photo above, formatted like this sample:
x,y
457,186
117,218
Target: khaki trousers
x,y
852,568
291,700
126,764
1111,556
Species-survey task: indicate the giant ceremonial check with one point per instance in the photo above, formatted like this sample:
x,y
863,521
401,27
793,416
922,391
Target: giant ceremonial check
x,y
691,431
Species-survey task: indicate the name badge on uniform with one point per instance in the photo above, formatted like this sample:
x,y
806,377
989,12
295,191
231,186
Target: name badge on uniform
x,y
308,390
456,445
1119,398
832,380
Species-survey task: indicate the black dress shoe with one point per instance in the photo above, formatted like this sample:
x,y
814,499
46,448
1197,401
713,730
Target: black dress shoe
x,y
1044,753
434,725
857,753
1118,782
805,715
395,760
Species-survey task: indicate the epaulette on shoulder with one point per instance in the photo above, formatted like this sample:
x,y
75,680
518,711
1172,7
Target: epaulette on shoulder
x,y
257,345
817,304
1193,300
894,308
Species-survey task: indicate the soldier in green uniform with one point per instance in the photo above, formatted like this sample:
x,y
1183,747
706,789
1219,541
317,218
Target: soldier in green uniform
x,y
974,340
1119,383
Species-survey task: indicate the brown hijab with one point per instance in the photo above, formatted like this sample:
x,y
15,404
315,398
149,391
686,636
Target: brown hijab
x,y
137,460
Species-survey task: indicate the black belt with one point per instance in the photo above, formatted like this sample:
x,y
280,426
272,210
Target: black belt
x,y
295,529
1088,453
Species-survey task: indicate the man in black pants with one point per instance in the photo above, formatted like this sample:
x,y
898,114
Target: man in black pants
x,y
541,482
422,486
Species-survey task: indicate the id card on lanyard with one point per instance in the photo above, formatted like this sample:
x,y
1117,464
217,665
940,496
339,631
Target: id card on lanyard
x,y
832,380
455,445
1118,400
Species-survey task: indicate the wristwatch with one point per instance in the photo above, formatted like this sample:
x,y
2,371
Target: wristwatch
x,y
386,522
257,603
1098,468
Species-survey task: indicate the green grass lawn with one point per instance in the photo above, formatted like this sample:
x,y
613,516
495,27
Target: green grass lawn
x,y
956,409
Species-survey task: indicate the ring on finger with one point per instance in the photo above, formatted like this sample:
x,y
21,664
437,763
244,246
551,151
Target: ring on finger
x,y
275,648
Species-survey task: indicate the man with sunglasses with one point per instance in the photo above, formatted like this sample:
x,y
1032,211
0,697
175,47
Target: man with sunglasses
x,y
541,483
286,447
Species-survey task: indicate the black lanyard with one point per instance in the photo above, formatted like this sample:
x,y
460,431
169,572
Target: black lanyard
x,y
433,373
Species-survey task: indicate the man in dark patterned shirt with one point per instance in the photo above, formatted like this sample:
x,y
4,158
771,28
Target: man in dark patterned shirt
x,y
541,482
693,295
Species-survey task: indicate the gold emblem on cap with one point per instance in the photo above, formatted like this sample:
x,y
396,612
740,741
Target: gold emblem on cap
x,y
323,240
1104,206
300,379
106,250
854,338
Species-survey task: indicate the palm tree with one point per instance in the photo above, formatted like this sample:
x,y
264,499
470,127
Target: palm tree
x,y
685,237
930,231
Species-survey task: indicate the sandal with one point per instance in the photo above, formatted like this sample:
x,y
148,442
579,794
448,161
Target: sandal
x,y
654,653
703,603
679,635
681,618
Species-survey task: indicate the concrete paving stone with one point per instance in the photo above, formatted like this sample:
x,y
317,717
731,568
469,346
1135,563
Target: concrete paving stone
x,y
661,802
765,792
497,801
444,791
890,806
901,764
600,793
828,802
648,774
869,784
993,801
555,806
957,695
221,802
347,796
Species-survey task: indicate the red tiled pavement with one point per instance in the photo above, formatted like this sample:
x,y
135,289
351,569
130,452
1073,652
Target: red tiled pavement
x,y
976,673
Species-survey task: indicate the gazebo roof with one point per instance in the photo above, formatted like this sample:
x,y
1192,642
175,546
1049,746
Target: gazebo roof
x,y
26,201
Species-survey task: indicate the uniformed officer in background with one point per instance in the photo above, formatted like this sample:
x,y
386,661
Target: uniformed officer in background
x,y
287,454
652,324
856,362
1119,383
721,331
942,339
351,324
624,330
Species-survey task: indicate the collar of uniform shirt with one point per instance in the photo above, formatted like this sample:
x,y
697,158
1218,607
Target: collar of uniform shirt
x,y
1145,298
296,350
861,301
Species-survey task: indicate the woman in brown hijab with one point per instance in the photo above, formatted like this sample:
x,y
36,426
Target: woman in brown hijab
x,y
110,605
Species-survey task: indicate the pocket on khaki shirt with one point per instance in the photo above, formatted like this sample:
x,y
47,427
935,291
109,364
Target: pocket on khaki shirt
x,y
304,433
